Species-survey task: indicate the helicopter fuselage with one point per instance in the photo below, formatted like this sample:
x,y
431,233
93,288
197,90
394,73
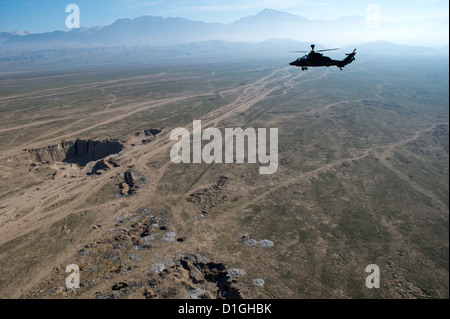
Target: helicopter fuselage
x,y
314,59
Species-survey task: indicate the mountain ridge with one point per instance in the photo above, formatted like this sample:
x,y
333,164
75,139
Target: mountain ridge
x,y
163,31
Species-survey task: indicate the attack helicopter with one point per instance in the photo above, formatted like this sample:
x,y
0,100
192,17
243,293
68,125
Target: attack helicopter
x,y
316,59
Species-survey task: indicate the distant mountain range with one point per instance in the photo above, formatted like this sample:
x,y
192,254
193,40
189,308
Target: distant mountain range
x,y
269,34
268,24
212,50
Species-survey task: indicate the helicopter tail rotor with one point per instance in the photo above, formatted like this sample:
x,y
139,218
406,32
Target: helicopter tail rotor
x,y
349,59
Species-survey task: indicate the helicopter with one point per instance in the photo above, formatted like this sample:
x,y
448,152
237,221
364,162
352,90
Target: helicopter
x,y
314,59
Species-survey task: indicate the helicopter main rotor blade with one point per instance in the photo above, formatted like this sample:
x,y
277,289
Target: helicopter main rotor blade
x,y
317,50
328,50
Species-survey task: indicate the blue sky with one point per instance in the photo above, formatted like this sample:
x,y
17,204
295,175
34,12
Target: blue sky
x,y
48,15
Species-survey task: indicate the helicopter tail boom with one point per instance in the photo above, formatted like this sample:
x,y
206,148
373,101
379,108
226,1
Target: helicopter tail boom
x,y
349,59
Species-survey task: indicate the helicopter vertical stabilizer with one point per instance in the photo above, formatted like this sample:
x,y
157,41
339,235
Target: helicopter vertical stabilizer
x,y
349,59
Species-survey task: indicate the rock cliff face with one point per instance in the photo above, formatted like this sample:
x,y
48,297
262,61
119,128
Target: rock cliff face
x,y
82,152
53,153
78,152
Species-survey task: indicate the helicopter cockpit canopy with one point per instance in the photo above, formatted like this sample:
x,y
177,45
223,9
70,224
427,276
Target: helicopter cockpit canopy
x,y
303,58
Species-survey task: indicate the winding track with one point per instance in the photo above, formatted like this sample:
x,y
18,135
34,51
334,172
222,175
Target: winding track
x,y
32,202
380,152
38,204
250,95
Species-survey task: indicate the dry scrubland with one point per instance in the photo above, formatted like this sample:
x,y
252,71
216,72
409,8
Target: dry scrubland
x,y
86,179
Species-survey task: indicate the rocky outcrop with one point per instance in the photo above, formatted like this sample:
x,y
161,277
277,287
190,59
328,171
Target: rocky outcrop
x,y
128,186
103,165
152,131
77,152
200,277
207,198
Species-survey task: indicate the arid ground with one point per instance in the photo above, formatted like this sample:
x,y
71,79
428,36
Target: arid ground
x,y
86,179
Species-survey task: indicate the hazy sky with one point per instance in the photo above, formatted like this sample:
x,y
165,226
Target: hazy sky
x,y
38,16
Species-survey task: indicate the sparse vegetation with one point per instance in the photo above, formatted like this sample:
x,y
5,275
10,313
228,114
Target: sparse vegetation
x,y
363,178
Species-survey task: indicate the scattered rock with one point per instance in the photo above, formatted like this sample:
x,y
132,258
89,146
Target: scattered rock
x,y
157,268
266,243
144,246
199,293
82,253
113,295
113,256
259,282
249,240
401,253
236,272
169,237
119,286
149,238
203,214
134,257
